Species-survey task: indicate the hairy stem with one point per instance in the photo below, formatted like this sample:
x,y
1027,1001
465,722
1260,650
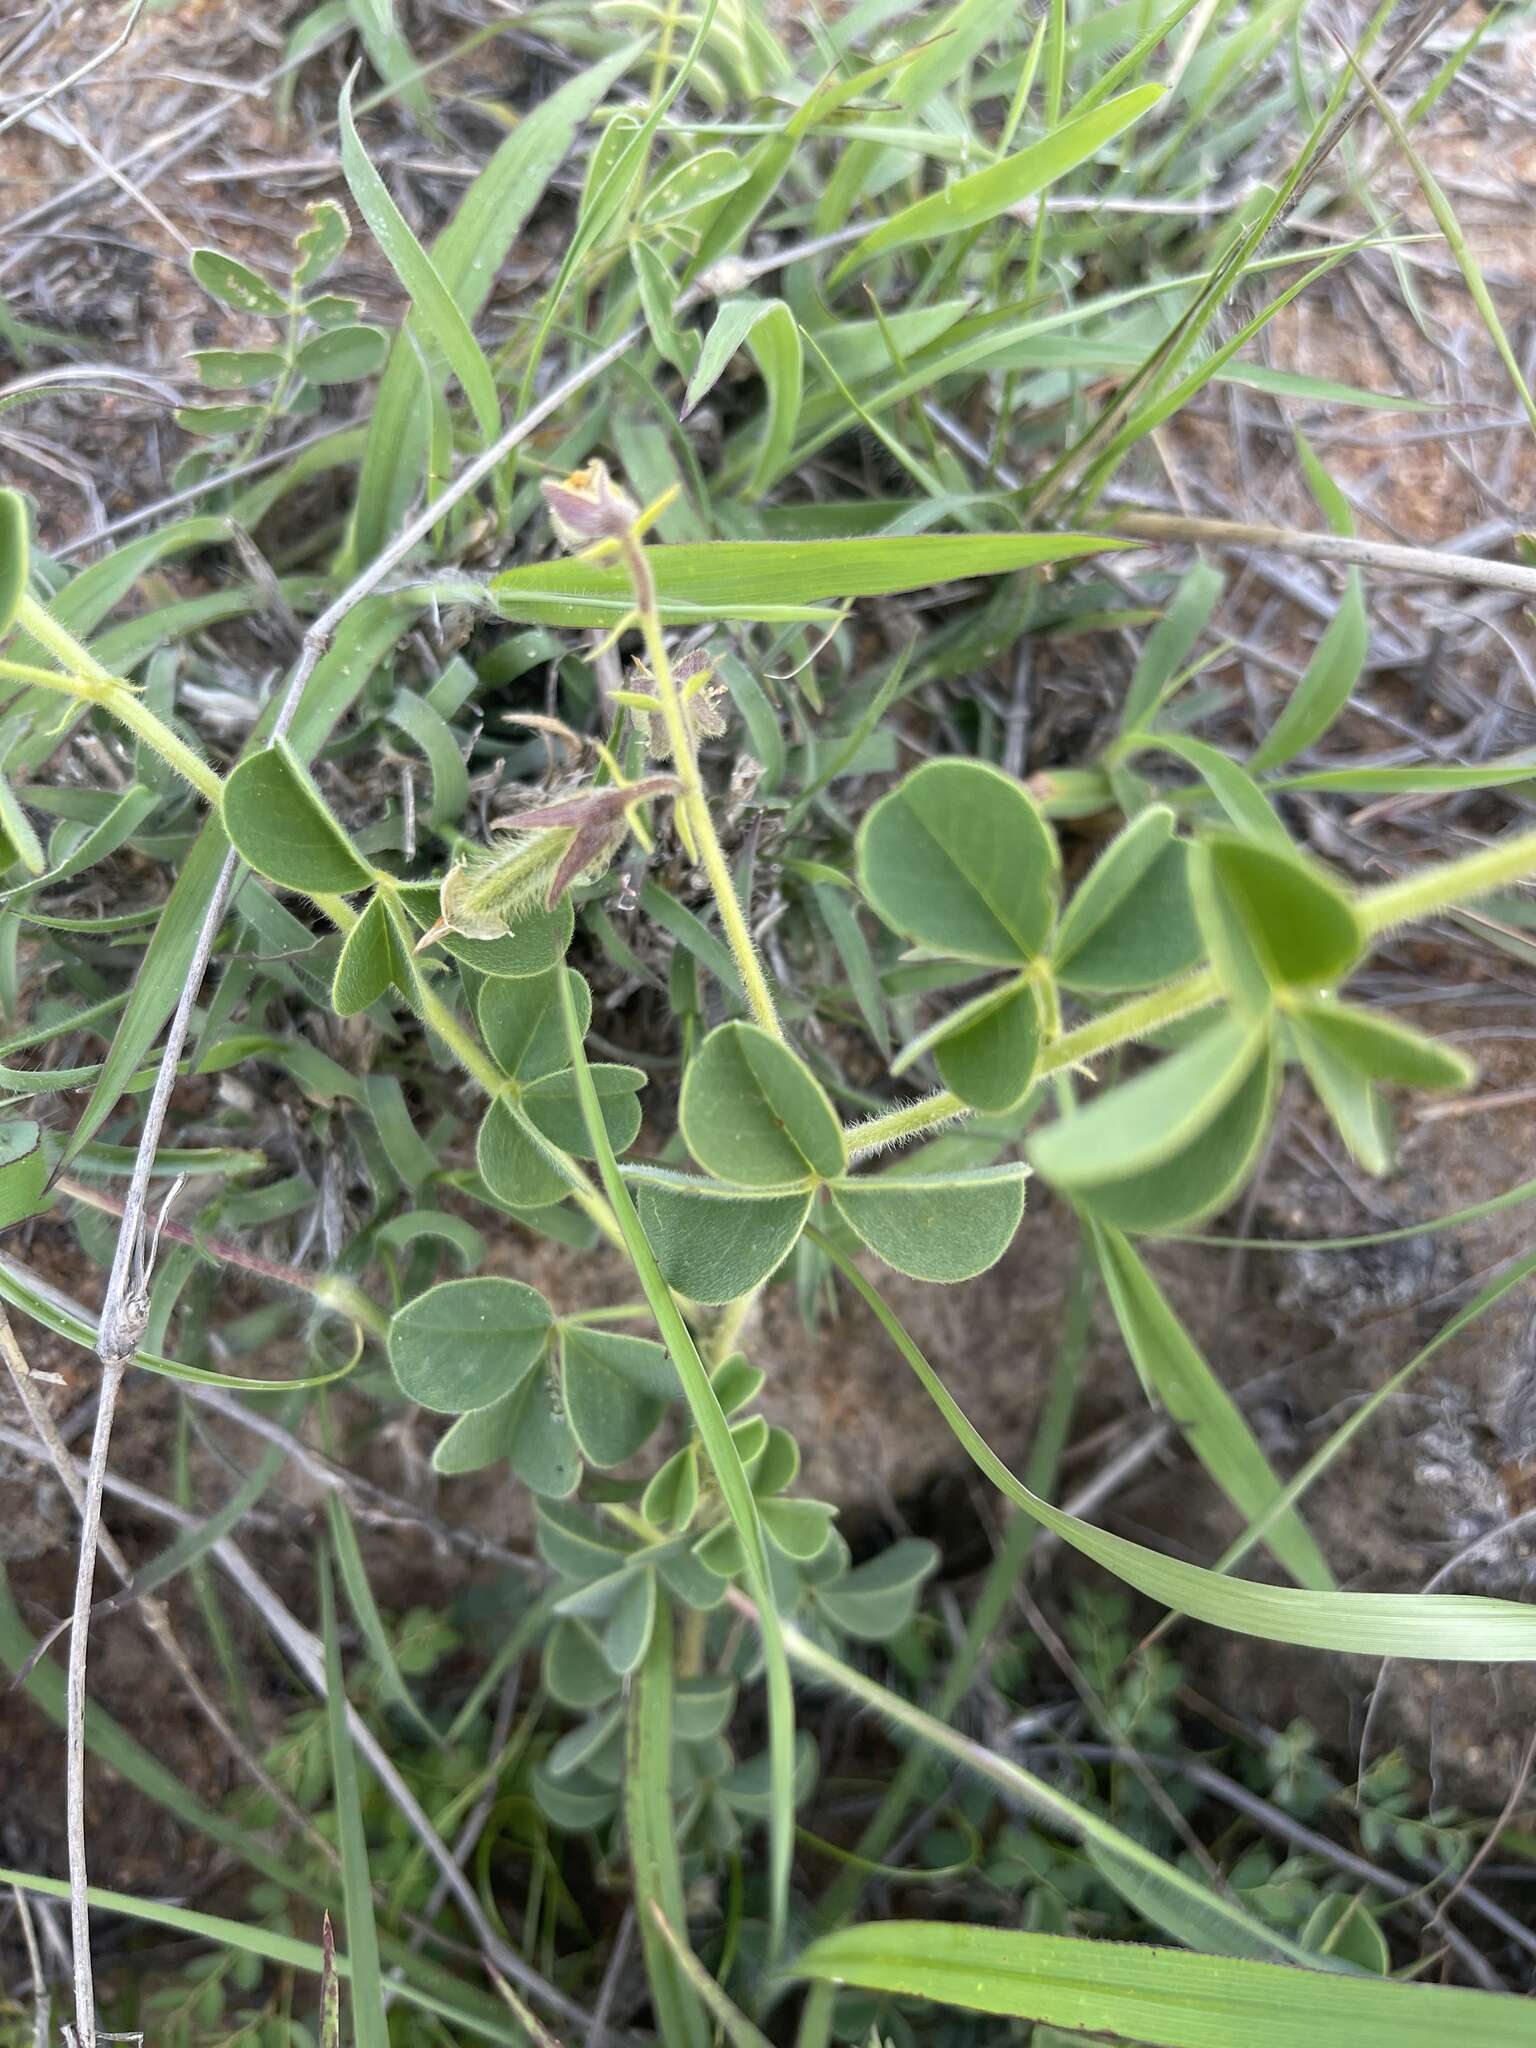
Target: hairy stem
x,y
691,800
84,679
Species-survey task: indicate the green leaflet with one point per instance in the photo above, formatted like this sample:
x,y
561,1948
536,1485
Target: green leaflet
x,y
465,1343
521,1023
958,858
373,959
1130,923
1147,1121
1157,1995
23,1171
713,1243
986,1050
944,1226
1271,919
753,1114
768,329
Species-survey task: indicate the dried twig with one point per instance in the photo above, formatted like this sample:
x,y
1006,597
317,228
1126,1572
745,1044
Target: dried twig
x,y
1429,564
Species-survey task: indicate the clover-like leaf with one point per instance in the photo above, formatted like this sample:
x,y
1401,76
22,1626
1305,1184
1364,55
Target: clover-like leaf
x,y
672,1496
514,1169
876,1599
1145,1121
936,1226
576,1545
318,245
754,1114
373,959
702,1708
616,1390
1362,1117
280,826
480,1438
797,1527
236,285
987,1050
1130,923
1346,1052
466,1343
628,1634
1271,919
553,1107
577,1803
542,1450
576,1674
1383,1049
959,858
341,355
1170,1147
521,1023
714,1243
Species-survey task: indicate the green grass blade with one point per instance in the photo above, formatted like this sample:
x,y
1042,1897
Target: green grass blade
x,y
772,580
467,256
1215,1428
730,1476
1163,1893
967,203
1165,1997
370,2025
430,297
249,1937
652,1831
19,1288
1459,1628
354,1577
1456,241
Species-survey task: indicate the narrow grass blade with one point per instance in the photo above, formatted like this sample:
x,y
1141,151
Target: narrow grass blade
x,y
651,1828
1171,1367
1456,241
1165,1997
370,2026
772,580
730,1476
431,298
1464,1628
354,1577
971,202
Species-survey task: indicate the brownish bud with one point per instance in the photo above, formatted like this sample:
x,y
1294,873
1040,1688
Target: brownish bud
x,y
588,506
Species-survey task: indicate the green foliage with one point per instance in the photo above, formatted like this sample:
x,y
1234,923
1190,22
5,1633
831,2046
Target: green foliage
x,y
810,884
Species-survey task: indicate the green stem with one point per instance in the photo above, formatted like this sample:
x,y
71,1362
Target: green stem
x,y
89,683
1127,1021
1447,883
729,1475
691,800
